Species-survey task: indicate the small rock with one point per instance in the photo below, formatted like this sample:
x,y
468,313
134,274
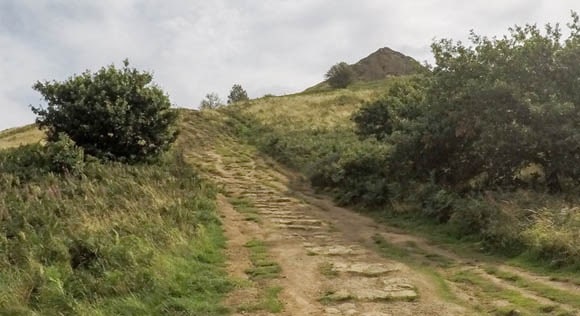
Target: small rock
x,y
340,295
332,311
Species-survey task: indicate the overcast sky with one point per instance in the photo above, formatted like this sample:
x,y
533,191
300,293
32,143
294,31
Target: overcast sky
x,y
198,46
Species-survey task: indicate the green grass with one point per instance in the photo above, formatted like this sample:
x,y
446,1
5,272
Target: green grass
x,y
327,269
246,207
116,240
554,294
488,291
269,301
262,266
264,272
426,264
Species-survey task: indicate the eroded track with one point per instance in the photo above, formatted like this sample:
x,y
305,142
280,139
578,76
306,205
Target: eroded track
x,y
336,262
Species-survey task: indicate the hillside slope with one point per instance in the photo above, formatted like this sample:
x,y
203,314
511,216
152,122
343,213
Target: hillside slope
x,y
279,232
383,63
113,239
378,66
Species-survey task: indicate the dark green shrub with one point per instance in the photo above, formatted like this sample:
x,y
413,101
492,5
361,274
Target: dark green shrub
x,y
64,156
436,202
357,177
60,157
115,114
340,75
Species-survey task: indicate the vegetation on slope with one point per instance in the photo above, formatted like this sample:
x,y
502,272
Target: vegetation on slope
x,y
84,233
113,239
483,145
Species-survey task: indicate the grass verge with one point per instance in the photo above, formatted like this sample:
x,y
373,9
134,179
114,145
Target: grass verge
x,y
115,240
517,304
263,272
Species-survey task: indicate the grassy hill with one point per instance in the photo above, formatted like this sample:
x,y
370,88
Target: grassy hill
x,y
377,67
114,240
20,136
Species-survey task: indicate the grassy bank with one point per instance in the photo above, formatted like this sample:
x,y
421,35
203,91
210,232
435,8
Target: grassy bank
x,y
113,240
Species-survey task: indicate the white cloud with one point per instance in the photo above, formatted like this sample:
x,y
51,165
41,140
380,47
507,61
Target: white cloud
x,y
196,47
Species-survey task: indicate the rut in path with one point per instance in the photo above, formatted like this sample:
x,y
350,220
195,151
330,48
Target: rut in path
x,y
328,255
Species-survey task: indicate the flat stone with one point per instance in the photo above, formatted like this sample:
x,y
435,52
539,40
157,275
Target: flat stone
x,y
384,295
299,221
332,311
299,227
366,269
340,295
391,289
335,251
375,314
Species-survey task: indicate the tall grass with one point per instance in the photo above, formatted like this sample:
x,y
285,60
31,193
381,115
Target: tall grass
x,y
113,240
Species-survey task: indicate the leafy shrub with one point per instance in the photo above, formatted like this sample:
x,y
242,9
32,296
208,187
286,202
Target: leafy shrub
x,y
27,162
340,75
356,176
112,114
64,156
437,202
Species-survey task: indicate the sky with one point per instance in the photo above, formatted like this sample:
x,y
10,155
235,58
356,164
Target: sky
x,y
194,47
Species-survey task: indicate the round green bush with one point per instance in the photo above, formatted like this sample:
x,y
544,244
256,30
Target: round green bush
x,y
113,114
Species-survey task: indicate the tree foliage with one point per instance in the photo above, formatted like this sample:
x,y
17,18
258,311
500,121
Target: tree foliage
x,y
113,113
488,111
211,101
237,94
340,75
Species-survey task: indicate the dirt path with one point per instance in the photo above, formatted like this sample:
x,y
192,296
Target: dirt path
x,y
336,262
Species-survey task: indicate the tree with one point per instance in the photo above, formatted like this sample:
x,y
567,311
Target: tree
x,y
340,75
115,114
490,109
394,112
211,101
237,94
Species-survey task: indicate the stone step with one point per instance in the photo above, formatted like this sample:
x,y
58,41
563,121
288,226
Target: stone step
x,y
300,221
366,269
336,250
299,227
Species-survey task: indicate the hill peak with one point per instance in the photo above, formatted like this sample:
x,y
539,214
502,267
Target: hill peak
x,y
383,63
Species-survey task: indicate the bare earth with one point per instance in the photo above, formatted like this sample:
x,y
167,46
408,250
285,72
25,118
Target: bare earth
x,y
329,256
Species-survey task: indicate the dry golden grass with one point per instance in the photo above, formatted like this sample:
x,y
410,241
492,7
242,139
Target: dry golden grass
x,y
309,111
15,137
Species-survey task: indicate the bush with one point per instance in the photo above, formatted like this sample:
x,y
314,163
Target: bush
x,y
357,176
62,156
112,114
340,75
